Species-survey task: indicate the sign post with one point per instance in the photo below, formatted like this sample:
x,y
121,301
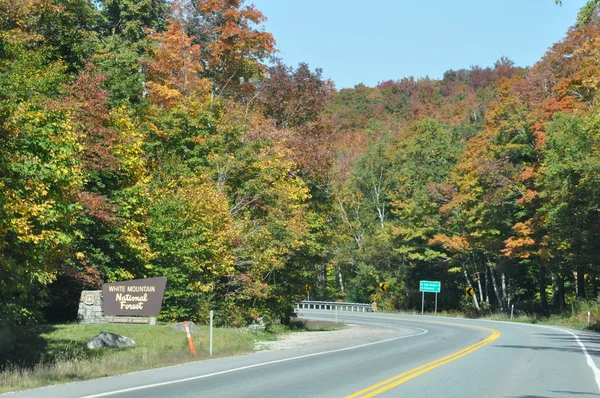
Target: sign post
x,y
211,332
429,287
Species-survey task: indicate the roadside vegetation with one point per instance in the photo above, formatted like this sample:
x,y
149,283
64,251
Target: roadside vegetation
x,y
51,354
575,316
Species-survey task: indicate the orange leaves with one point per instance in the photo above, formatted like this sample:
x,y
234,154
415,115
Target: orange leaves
x,y
455,244
514,247
237,50
174,70
522,244
528,196
20,15
523,228
564,103
529,173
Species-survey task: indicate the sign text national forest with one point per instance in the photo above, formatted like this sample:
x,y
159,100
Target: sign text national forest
x,y
135,297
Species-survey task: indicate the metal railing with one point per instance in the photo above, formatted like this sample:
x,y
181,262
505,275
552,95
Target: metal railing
x,y
333,305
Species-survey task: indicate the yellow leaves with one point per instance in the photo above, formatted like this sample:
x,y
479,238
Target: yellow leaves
x,y
401,231
133,237
192,224
589,52
129,149
119,274
202,287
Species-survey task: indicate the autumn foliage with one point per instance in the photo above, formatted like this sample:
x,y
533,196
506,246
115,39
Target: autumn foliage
x,y
167,140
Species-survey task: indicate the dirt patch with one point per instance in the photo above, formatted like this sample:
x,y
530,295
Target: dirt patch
x,y
310,339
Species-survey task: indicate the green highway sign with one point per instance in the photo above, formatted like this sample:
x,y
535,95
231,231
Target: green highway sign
x,y
430,287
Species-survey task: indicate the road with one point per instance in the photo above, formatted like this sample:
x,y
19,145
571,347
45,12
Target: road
x,y
425,357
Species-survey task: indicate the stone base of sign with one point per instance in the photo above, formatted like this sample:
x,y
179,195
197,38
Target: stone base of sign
x,y
132,320
91,308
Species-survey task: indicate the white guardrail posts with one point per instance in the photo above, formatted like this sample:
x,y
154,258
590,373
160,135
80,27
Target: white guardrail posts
x,y
333,305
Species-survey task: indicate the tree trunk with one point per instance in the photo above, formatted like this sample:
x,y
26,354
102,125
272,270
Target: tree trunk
x,y
542,280
580,282
495,285
487,286
558,287
504,296
480,291
554,291
561,292
475,303
341,279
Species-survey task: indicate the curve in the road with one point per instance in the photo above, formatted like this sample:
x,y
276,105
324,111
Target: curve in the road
x,y
395,381
445,357
257,365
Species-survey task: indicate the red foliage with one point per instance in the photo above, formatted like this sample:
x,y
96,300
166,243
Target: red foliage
x,y
293,97
98,207
90,104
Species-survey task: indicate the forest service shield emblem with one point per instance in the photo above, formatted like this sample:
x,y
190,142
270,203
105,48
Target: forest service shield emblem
x,y
89,299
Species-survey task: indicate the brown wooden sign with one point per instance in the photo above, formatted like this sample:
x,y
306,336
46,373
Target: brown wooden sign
x,y
135,297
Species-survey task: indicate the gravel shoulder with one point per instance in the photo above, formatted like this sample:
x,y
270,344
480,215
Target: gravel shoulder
x,y
310,339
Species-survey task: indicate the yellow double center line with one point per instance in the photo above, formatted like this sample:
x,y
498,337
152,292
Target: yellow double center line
x,y
395,381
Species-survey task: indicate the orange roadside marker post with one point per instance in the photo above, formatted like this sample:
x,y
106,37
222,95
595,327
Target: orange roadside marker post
x,y
189,338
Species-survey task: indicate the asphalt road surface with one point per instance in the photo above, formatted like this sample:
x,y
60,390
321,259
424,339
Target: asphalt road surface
x,y
425,357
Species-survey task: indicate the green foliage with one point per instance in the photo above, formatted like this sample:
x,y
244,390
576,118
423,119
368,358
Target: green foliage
x,y
40,175
192,234
146,138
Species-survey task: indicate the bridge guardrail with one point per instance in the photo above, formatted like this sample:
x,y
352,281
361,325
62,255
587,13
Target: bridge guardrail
x,y
333,305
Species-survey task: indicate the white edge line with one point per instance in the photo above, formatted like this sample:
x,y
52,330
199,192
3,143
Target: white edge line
x,y
588,357
106,394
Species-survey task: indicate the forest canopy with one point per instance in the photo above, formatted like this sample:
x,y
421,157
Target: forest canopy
x,y
143,138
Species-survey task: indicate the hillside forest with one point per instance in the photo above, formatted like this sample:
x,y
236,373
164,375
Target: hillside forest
x,y
143,138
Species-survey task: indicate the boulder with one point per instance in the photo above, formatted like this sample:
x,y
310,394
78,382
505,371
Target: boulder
x,y
258,325
109,340
179,326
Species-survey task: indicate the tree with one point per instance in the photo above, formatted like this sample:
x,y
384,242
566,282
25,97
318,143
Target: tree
x,y
233,49
40,174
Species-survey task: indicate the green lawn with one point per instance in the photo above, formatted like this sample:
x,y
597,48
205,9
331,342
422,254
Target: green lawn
x,y
51,354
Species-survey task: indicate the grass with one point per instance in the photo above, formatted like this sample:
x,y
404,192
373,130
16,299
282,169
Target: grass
x,y
51,354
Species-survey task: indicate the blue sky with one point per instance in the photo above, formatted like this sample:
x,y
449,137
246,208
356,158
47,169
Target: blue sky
x,y
357,41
